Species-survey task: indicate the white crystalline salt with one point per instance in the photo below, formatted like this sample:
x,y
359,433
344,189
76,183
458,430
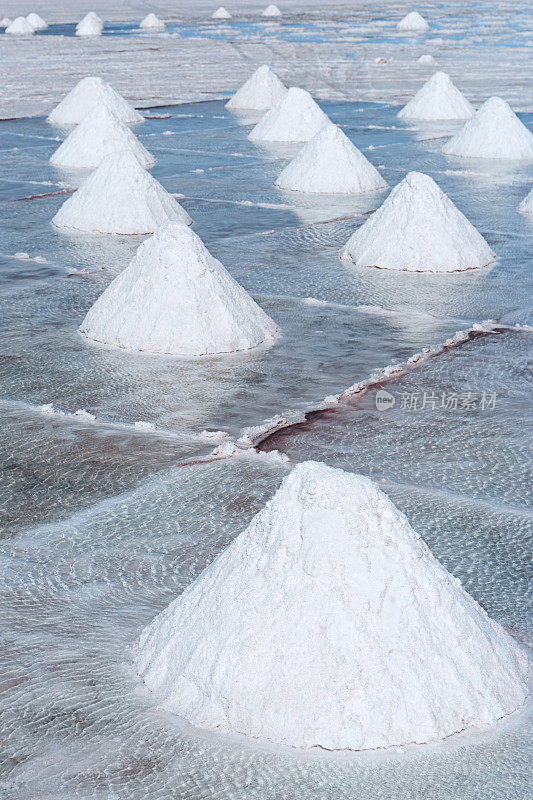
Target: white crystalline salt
x,y
153,23
271,11
427,59
295,118
20,27
119,197
175,298
328,623
221,13
493,132
418,229
98,134
90,25
413,22
90,92
4,22
261,91
329,162
37,22
438,98
526,206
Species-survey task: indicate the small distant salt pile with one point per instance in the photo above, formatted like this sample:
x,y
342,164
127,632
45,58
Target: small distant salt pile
x,y
271,11
175,298
119,197
329,162
90,25
427,59
5,22
98,134
260,92
493,132
90,92
413,22
152,23
295,118
526,206
438,98
20,27
37,22
418,229
221,13
328,623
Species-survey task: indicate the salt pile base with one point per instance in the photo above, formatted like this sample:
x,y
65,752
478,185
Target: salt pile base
x,y
175,298
98,134
438,98
330,163
493,132
271,11
526,206
328,623
426,59
119,197
260,92
20,27
90,92
90,25
413,22
221,13
418,229
295,118
152,23
37,22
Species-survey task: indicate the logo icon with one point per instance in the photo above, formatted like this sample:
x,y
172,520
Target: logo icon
x,y
384,400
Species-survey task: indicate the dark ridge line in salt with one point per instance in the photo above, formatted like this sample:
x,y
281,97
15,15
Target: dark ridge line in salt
x,y
48,194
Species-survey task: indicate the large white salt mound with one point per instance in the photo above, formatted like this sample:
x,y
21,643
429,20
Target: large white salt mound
x,y
260,92
295,118
37,22
175,298
271,11
438,98
90,25
152,23
328,623
493,132
98,134
119,197
418,229
413,22
20,27
526,206
5,22
90,92
329,162
221,13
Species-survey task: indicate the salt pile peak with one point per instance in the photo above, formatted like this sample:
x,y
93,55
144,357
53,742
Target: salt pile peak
x,y
99,133
526,206
438,98
413,22
119,197
368,641
261,91
90,92
175,298
271,11
152,22
418,229
493,132
37,22
20,27
90,25
221,13
295,118
330,163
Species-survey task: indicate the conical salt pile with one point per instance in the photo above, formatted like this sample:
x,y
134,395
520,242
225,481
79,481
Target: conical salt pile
x,y
90,25
438,98
493,132
152,23
295,118
413,22
427,59
98,134
221,13
119,197
90,92
526,206
37,22
20,27
330,163
5,22
328,623
418,229
260,92
271,11
175,298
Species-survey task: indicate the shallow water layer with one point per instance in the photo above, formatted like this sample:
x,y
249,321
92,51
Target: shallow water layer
x,y
105,524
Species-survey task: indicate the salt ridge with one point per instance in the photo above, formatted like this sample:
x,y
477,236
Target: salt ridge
x,y
260,92
89,92
437,99
296,117
493,132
